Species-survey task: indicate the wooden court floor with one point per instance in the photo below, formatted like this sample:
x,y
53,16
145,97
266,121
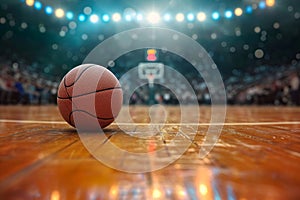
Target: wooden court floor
x,y
257,156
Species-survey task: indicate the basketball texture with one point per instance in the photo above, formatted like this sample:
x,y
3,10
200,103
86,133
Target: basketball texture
x,y
89,97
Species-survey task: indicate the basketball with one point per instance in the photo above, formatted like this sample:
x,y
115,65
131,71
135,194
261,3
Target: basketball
x,y
89,97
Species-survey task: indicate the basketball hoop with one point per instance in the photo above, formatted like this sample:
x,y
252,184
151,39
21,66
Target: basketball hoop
x,y
151,71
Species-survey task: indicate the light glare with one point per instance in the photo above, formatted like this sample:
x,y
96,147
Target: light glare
x,y
190,17
105,18
270,3
179,17
249,9
59,13
94,18
153,18
69,15
38,5
262,5
216,15
228,14
116,17
29,2
48,10
203,189
128,18
201,16
81,17
167,17
238,12
139,17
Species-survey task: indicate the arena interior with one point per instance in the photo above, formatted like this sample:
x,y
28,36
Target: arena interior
x,y
210,108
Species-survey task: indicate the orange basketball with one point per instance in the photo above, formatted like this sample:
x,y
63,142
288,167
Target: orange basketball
x,y
89,97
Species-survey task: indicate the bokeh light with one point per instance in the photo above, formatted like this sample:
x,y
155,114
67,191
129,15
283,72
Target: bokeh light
x,y
38,5
262,5
48,10
179,17
69,15
128,17
139,17
276,25
238,12
201,16
203,189
94,18
153,17
130,11
105,18
167,17
156,194
249,9
215,15
116,17
59,13
72,25
228,14
29,2
190,17
259,53
270,3
81,17
87,10
257,29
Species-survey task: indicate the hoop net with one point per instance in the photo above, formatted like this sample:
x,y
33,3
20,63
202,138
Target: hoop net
x,y
151,78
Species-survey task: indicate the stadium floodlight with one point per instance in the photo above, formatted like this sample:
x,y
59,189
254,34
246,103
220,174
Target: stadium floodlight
x,y
249,9
81,17
38,5
139,17
153,17
69,15
190,17
29,2
228,14
270,3
105,18
238,12
215,15
116,17
201,16
94,18
262,5
167,17
128,17
48,10
179,17
59,13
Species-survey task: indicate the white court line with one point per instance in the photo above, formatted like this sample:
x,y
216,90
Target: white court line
x,y
168,124
31,121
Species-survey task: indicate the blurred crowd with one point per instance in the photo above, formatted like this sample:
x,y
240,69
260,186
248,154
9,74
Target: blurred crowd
x,y
265,85
22,87
261,86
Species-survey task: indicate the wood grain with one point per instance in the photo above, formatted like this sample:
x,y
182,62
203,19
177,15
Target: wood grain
x,y
49,161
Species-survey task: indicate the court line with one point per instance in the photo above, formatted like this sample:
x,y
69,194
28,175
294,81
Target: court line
x,y
169,124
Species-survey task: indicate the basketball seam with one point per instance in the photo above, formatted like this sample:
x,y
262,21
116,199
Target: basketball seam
x,y
77,78
99,118
102,90
66,90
